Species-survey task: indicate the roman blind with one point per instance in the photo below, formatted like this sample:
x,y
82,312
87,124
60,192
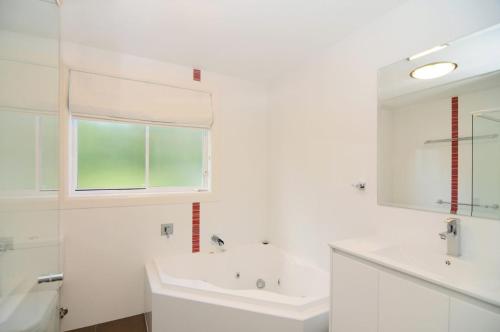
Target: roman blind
x,y
105,97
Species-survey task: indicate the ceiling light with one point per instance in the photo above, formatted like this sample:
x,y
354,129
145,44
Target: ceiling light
x,y
433,70
426,52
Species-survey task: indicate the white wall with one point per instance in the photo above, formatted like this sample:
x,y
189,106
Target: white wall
x,y
105,248
323,135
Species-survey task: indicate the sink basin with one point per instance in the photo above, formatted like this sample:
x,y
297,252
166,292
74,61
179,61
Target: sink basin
x,y
480,281
442,267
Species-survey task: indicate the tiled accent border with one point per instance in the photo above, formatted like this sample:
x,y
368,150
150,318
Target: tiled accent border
x,y
197,75
454,155
196,227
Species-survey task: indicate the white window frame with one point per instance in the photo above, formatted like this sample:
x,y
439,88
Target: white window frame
x,y
73,167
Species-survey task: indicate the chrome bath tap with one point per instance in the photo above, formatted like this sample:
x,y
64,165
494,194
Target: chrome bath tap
x,y
217,241
452,236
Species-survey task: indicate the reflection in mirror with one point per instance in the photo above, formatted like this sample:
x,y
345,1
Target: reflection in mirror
x,y
29,158
486,161
428,146
29,96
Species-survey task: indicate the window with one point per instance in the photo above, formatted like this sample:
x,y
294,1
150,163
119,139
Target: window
x,y
110,155
176,157
137,136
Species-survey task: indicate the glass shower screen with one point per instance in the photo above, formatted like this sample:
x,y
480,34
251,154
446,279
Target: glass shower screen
x,y
486,158
29,159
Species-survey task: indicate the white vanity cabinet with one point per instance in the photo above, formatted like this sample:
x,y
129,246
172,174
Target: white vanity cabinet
x,y
368,297
354,295
407,306
467,317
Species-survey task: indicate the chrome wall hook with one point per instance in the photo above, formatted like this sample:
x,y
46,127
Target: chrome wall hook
x,y
360,185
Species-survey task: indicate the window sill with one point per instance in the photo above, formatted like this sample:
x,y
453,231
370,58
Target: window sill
x,y
133,199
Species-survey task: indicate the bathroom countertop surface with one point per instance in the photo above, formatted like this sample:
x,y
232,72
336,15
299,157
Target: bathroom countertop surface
x,y
454,273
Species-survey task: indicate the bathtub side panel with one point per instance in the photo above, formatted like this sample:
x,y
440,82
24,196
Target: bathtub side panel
x,y
183,315
317,323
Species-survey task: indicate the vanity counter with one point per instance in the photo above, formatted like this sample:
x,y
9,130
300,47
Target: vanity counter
x,y
453,273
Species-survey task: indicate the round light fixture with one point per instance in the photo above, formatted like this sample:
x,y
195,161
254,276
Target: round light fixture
x,y
433,70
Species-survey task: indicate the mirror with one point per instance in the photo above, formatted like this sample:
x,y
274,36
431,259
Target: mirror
x,y
439,128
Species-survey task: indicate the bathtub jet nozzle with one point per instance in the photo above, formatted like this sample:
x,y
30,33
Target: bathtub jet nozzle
x,y
260,284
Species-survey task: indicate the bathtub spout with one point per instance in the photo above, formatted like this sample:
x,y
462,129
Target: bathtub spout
x,y
217,241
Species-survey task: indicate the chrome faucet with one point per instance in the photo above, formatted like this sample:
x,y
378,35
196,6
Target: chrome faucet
x,y
217,241
452,236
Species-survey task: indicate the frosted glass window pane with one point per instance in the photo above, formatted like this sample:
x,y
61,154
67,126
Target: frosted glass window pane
x,y
176,157
17,151
49,152
110,155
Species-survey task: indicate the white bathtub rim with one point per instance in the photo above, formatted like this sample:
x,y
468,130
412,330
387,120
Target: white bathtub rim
x,y
286,301
157,288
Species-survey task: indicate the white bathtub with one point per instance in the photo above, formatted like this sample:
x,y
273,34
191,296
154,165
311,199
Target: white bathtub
x,y
207,292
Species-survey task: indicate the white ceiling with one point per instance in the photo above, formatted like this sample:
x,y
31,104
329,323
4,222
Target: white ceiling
x,y
476,54
252,39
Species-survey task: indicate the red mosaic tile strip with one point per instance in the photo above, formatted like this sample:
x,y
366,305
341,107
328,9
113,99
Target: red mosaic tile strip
x,y
197,75
454,155
196,227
